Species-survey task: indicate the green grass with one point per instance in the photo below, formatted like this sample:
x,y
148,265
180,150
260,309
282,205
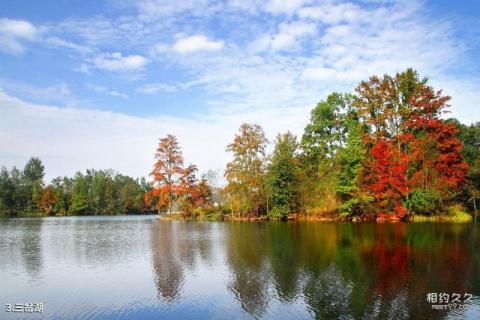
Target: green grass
x,y
455,213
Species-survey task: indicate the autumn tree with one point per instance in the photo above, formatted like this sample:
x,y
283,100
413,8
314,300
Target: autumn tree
x,y
411,149
245,173
168,172
204,194
187,190
171,180
48,201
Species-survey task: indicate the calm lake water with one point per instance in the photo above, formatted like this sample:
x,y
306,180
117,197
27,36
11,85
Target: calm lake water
x,y
139,267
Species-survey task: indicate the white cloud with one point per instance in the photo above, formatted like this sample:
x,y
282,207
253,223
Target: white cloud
x,y
153,88
83,68
318,73
117,62
284,6
58,42
162,7
293,60
196,43
100,89
55,93
71,139
332,13
13,32
286,38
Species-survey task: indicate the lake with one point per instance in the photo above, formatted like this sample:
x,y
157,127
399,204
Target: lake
x,y
140,267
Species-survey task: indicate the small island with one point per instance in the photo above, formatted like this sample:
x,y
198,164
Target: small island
x,y
386,153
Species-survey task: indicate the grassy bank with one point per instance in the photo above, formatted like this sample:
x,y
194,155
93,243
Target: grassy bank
x,y
454,214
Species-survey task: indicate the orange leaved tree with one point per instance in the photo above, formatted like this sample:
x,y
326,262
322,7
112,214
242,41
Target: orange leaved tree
x,y
168,173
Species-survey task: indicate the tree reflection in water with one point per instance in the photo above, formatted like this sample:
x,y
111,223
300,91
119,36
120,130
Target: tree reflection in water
x,y
241,269
345,270
245,257
176,247
31,248
328,270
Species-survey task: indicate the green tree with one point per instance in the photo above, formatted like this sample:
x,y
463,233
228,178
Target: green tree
x,y
351,158
7,193
33,174
80,196
63,193
470,136
326,132
34,170
325,135
282,175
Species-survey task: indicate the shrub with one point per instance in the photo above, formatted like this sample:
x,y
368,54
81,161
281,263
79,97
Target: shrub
x,y
423,202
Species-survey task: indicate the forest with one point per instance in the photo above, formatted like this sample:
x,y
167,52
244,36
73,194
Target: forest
x,y
386,152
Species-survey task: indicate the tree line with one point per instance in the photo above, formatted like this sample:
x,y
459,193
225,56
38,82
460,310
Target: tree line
x,y
95,192
383,152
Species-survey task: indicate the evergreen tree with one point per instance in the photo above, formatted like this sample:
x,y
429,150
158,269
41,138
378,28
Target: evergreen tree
x,y
282,175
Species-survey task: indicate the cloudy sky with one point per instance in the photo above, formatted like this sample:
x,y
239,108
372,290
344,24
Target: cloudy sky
x,y
94,84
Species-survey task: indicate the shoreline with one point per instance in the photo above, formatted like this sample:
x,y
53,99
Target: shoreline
x,y
458,217
443,218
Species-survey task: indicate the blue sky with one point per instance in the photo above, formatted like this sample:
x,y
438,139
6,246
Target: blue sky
x,y
96,83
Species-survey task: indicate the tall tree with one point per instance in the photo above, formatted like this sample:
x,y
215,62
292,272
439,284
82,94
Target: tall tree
x,y
470,136
407,137
34,170
351,158
245,173
168,172
324,136
282,176
7,193
63,193
33,174
326,132
80,195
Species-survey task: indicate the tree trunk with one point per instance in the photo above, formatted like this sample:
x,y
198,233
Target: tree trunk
x,y
169,204
475,209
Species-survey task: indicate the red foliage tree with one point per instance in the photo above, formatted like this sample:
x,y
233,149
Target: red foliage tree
x,y
384,178
411,147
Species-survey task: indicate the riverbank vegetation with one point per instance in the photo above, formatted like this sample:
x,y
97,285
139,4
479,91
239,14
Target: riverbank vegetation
x,y
386,152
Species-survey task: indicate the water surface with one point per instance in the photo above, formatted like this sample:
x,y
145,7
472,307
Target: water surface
x,y
139,267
